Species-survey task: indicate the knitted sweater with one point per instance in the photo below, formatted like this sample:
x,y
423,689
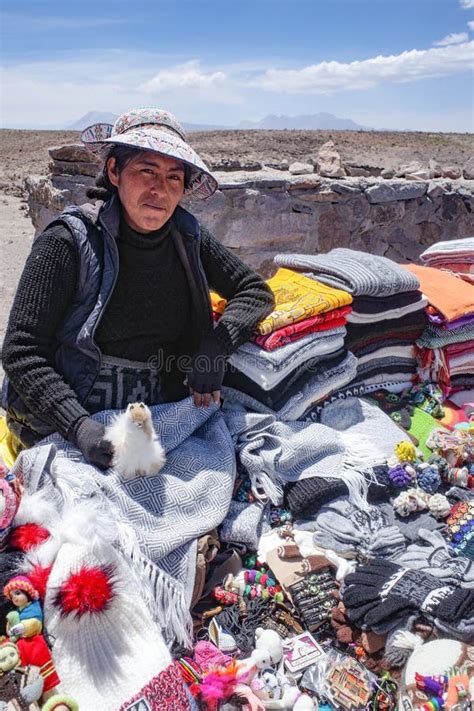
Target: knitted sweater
x,y
47,288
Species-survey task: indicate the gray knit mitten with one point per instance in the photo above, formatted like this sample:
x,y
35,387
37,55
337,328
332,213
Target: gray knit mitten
x,y
88,435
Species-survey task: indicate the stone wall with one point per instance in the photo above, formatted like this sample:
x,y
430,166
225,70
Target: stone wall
x,y
260,213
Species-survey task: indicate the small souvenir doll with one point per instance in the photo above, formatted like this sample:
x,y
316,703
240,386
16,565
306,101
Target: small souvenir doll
x,y
20,687
27,621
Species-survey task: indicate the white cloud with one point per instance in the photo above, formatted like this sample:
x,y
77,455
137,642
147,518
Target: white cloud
x,y
470,24
466,4
183,76
453,38
331,77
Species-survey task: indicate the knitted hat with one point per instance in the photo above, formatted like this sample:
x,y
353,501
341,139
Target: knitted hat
x,y
20,582
305,497
107,647
434,659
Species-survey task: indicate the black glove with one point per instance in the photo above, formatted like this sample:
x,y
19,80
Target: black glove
x,y
207,367
88,435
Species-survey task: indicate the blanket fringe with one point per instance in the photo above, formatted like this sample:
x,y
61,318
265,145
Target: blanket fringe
x,y
164,597
171,610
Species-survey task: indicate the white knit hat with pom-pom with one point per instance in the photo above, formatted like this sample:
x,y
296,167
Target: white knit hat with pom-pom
x,y
107,647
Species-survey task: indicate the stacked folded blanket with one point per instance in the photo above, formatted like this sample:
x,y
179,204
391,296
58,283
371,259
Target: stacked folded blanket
x,y
297,355
446,347
456,256
387,312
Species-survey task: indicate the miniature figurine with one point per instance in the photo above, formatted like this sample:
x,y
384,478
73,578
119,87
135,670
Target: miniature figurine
x,y
20,687
28,620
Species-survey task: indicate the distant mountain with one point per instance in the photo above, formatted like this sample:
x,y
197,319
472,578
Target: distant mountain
x,y
190,127
311,122
90,118
106,117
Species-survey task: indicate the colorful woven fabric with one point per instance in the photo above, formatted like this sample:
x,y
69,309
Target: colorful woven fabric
x,y
377,317
455,255
268,368
165,691
289,334
297,298
437,337
359,273
451,297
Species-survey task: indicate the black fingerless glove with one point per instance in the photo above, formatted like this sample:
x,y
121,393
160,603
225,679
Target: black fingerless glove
x,y
208,366
88,435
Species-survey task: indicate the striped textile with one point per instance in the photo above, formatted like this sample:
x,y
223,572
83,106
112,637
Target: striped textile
x,y
437,337
358,273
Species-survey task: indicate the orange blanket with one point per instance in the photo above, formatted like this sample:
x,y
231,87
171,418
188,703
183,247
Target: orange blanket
x,y
451,297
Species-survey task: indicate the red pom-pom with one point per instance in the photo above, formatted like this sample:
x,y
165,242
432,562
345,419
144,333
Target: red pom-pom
x,y
27,536
88,590
39,577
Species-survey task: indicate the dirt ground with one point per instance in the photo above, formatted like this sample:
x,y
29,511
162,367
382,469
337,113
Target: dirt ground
x,y
23,153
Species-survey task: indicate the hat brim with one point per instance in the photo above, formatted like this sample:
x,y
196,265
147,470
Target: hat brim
x,y
202,183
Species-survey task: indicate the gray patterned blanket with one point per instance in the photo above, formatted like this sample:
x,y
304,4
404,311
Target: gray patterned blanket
x,y
159,518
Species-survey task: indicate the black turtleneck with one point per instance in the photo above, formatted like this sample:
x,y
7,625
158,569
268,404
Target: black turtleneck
x,y
150,306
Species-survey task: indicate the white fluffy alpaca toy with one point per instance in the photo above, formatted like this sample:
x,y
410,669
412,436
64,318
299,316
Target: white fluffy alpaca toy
x,y
137,449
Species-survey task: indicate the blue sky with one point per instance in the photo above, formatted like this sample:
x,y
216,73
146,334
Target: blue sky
x,y
383,63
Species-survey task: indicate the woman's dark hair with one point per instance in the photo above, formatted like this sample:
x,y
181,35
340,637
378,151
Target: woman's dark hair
x,y
103,189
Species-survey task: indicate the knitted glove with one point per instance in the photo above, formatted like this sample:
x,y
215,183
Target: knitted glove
x,y
88,435
382,591
208,366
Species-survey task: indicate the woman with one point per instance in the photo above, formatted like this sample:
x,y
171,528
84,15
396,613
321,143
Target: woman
x,y
113,303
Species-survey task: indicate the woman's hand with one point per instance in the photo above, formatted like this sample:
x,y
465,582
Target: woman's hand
x,y
205,399
89,437
207,372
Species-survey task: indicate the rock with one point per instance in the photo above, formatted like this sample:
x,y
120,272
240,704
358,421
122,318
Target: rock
x,y
227,165
419,175
435,168
452,172
453,208
73,152
345,188
301,168
396,190
357,172
62,167
408,169
387,173
436,189
468,169
329,161
283,165
385,214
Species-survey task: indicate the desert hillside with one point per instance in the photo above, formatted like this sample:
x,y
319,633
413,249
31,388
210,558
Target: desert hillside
x,y
24,153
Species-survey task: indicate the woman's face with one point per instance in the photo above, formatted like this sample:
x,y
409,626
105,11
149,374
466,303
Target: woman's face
x,y
150,187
